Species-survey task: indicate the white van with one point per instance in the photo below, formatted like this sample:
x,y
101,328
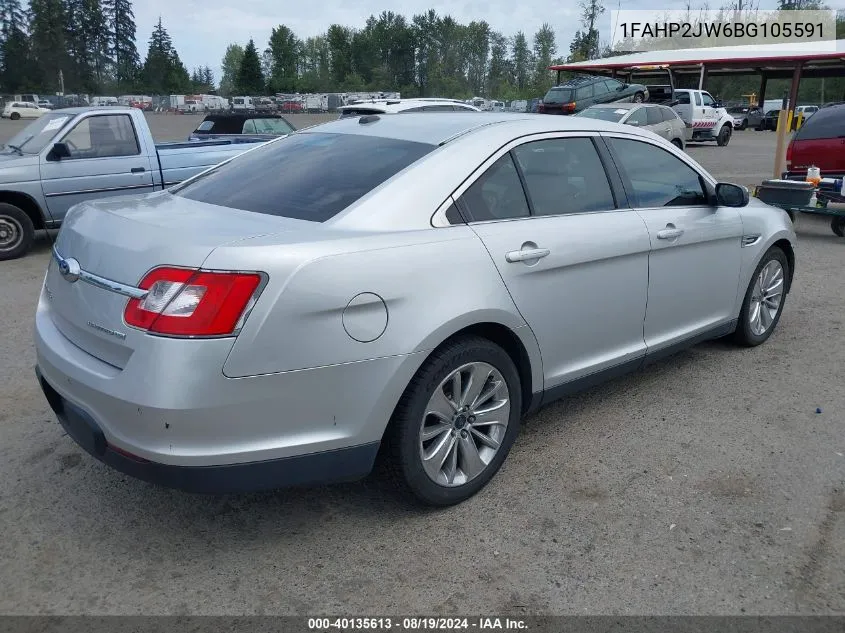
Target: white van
x,y
242,103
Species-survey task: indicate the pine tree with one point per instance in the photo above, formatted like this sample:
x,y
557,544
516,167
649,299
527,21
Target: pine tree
x,y
208,78
250,79
47,24
156,70
15,65
123,54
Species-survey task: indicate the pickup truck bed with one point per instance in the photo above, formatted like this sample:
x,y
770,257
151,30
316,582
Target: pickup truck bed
x,y
182,159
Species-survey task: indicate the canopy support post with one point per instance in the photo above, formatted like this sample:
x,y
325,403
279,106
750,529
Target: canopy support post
x,y
785,122
761,96
702,76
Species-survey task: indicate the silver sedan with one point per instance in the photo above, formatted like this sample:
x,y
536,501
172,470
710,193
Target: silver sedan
x,y
401,288
660,119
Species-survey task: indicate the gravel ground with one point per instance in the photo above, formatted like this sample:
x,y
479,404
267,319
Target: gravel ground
x,y
705,484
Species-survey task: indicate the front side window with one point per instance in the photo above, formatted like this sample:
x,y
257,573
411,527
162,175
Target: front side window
x,y
287,177
103,136
564,176
658,178
612,85
497,194
708,100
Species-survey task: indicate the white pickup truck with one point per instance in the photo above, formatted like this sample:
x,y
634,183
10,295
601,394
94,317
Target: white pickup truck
x,y
705,119
76,154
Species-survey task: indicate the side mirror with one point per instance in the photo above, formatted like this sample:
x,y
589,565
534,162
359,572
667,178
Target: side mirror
x,y
731,195
59,151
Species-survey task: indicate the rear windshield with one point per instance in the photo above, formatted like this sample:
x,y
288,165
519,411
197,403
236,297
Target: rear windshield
x,y
825,123
559,95
311,176
613,115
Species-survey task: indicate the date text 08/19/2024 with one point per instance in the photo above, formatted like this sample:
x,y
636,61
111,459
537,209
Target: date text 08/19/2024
x,y
350,624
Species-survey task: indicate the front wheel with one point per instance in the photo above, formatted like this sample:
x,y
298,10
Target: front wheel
x,y
764,299
16,232
837,225
743,125
455,423
639,97
724,136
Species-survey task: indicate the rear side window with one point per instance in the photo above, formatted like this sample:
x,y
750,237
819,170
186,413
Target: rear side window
x,y
585,92
682,97
497,194
826,123
564,176
310,176
654,116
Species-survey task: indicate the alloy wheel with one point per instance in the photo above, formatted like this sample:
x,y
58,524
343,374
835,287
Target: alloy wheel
x,y
464,424
766,297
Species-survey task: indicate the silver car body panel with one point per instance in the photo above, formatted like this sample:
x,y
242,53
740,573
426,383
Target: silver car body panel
x,y
354,305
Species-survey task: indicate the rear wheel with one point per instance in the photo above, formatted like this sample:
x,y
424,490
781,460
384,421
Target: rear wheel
x,y
16,232
15,116
764,299
724,136
455,423
837,225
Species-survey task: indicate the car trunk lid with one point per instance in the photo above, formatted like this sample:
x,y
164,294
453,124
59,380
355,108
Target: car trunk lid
x,y
119,241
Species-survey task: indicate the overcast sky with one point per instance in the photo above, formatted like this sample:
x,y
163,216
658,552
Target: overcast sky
x,y
201,29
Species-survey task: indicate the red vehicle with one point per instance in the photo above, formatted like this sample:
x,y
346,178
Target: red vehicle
x,y
819,143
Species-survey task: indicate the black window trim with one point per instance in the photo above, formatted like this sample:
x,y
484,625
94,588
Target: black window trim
x,y
707,181
140,151
617,190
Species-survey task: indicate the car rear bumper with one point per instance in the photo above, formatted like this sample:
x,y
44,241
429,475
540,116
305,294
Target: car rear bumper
x,y
171,416
346,464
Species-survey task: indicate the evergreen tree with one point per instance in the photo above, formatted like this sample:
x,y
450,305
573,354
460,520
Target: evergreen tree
x,y
208,78
163,72
250,79
47,24
15,66
123,54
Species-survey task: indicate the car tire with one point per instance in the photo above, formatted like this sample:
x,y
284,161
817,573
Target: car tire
x,y
743,125
724,136
465,448
15,116
16,232
639,97
768,285
677,143
837,225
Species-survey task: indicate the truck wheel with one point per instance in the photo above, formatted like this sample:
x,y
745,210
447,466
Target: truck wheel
x,y
16,232
14,116
639,97
724,136
837,225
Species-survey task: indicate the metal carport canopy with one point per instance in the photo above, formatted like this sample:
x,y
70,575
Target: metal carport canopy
x,y
816,59
770,61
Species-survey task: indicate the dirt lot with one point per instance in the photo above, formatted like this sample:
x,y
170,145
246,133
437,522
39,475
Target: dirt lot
x,y
706,484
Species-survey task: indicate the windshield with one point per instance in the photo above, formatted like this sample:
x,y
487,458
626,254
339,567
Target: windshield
x,y
35,136
614,115
287,177
558,95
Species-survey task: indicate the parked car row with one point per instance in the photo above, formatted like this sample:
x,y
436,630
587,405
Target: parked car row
x,y
762,119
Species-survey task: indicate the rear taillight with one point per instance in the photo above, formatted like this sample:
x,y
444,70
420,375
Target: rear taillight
x,y
184,302
789,154
569,107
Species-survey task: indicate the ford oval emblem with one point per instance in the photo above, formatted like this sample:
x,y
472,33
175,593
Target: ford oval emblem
x,y
69,269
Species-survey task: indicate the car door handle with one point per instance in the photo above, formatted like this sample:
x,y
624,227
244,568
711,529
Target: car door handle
x,y
526,254
669,234
138,170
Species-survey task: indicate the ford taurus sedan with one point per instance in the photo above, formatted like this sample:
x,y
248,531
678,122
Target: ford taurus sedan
x,y
401,288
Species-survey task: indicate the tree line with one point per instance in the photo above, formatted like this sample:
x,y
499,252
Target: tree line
x,y
89,46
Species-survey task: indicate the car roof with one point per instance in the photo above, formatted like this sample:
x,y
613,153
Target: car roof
x,y
442,127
